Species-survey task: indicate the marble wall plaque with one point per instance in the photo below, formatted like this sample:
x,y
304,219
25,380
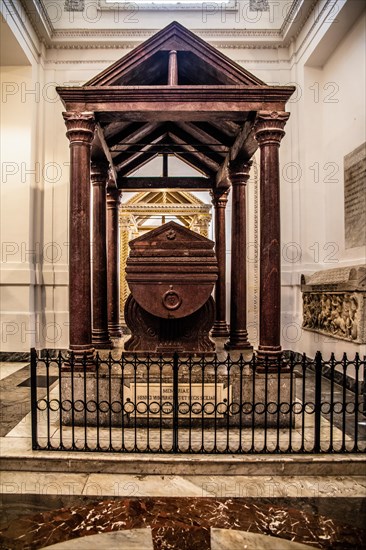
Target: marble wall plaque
x,y
74,5
140,393
355,197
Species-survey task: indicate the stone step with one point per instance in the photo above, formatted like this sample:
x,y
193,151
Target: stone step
x,y
184,464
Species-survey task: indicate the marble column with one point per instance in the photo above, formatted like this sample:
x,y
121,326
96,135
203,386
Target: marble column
x,y
80,132
113,256
238,338
219,201
100,335
269,130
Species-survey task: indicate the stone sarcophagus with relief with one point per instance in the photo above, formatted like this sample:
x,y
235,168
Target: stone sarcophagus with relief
x,y
334,303
171,272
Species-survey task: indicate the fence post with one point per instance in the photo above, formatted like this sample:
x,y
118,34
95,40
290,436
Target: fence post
x,y
33,372
317,401
175,402
364,386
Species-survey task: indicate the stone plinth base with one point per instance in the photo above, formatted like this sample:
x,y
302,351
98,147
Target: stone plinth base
x,y
229,400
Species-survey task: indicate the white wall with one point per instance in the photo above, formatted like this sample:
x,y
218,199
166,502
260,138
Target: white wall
x,y
331,123
343,129
17,200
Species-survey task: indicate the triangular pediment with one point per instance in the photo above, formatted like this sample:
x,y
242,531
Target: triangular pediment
x,y
165,198
168,234
198,63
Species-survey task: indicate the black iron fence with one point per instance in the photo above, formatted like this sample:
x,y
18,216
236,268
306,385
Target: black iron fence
x,y
203,404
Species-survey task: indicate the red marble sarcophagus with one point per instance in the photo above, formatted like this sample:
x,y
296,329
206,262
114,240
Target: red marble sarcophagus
x,y
171,272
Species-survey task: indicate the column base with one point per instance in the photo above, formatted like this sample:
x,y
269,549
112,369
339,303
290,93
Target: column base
x,y
220,330
273,352
238,340
81,353
115,330
103,345
270,357
101,340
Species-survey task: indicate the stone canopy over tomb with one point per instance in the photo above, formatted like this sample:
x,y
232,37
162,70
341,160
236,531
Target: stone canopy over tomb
x,y
173,95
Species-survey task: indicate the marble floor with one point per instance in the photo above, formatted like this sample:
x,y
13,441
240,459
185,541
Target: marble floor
x,y
201,503
37,521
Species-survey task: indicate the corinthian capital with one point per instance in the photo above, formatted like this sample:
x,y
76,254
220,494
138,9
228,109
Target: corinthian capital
x,y
114,197
269,126
219,200
99,173
239,172
80,126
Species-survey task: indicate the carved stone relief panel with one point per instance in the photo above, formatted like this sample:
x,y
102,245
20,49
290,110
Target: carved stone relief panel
x,y
334,303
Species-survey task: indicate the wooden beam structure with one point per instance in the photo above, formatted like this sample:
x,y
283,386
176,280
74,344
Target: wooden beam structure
x,y
134,133
171,182
126,152
187,103
203,158
244,147
131,162
99,145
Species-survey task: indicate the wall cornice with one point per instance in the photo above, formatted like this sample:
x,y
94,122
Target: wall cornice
x,y
38,18
147,33
171,208
300,23
16,17
128,39
321,15
78,38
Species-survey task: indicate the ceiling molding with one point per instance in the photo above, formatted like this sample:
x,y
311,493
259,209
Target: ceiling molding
x,y
81,39
238,45
329,4
15,16
105,62
293,14
39,19
147,33
303,14
116,39
128,38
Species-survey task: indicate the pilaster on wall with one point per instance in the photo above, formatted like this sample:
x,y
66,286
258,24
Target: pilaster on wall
x,y
252,252
128,231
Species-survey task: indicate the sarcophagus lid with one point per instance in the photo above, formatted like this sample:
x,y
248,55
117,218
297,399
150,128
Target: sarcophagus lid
x,y
171,271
